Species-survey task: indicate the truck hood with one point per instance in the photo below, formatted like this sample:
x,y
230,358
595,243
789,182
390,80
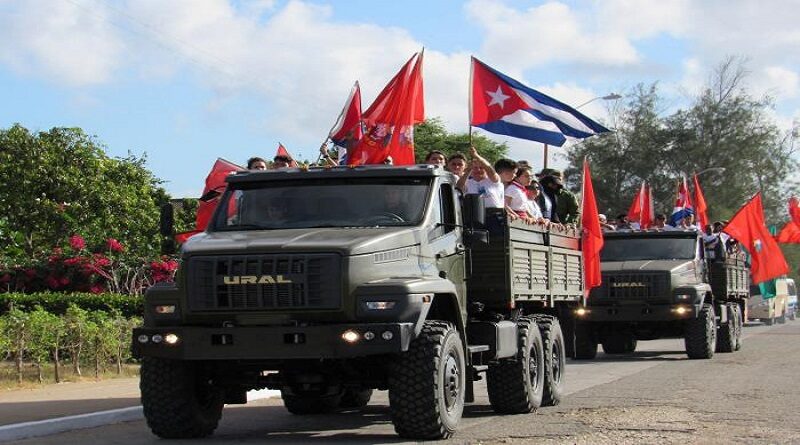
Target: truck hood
x,y
347,241
673,266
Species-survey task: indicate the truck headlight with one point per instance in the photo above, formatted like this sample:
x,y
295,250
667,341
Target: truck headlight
x,y
164,309
380,305
683,296
171,339
350,336
581,311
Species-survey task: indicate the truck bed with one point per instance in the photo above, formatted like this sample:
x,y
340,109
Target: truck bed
x,y
525,262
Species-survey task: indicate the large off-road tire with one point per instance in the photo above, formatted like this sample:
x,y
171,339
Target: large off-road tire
x,y
739,326
427,384
555,360
781,319
310,404
585,342
516,385
726,334
180,401
619,343
701,334
354,398
768,321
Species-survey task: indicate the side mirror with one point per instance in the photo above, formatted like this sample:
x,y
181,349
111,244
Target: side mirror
x,y
167,220
167,229
474,211
473,237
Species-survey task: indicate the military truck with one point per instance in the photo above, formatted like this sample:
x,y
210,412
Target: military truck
x,y
658,284
327,284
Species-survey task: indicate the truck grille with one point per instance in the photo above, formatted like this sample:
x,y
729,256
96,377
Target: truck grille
x,y
633,286
264,282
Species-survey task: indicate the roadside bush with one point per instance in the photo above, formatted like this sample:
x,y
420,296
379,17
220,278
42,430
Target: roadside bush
x,y
57,303
98,339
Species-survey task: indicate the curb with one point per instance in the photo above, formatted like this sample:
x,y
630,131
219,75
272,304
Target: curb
x,y
48,427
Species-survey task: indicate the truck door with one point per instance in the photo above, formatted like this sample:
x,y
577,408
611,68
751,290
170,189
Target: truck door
x,y
444,238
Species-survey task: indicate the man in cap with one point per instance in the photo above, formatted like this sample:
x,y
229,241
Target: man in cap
x,y
567,209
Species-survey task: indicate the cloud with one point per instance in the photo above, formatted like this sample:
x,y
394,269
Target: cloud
x,y
552,32
72,43
779,81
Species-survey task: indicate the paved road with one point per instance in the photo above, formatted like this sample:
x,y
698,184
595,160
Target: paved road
x,y
653,396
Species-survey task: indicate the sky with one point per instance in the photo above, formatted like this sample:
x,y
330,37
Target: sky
x,y
187,81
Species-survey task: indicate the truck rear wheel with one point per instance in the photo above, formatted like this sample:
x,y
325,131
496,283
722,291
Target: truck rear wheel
x,y
619,343
737,310
354,398
180,401
427,383
726,335
555,360
516,385
701,334
310,404
585,342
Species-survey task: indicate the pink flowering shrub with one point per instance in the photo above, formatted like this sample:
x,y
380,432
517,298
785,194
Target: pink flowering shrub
x,y
76,269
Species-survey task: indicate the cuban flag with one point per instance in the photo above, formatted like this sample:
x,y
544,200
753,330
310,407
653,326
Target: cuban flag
x,y
502,105
683,204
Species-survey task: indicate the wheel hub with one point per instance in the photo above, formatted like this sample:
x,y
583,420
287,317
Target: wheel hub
x,y
533,368
452,381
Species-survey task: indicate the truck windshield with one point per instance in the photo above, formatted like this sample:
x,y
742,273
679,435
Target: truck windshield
x,y
636,249
343,202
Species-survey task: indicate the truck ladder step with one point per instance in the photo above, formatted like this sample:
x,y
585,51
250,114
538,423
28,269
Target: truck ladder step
x,y
477,348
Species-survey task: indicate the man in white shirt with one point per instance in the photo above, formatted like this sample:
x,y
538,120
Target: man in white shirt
x,y
483,180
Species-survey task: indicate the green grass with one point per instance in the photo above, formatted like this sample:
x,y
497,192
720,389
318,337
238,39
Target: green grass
x,y
30,379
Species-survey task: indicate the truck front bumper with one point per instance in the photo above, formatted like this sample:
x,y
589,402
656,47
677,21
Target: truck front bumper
x,y
638,313
272,342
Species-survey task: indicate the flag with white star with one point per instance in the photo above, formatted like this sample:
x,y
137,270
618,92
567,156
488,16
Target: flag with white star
x,y
502,105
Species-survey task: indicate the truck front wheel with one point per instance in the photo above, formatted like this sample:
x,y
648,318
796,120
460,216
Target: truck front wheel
x,y
427,383
179,399
516,385
701,334
585,342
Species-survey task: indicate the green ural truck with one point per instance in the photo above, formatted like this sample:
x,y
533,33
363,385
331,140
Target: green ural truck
x,y
659,285
330,283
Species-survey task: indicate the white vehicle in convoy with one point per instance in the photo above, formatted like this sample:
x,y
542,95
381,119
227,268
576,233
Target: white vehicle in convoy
x,y
771,309
791,298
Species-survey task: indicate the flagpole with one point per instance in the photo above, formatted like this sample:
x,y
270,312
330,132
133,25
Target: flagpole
x,y
545,156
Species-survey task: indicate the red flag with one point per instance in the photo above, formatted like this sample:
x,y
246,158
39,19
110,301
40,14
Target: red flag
x,y
390,119
347,128
748,228
790,234
794,210
592,234
700,207
648,210
282,151
635,210
215,185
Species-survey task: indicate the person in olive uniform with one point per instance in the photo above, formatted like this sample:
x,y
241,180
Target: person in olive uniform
x,y
568,209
